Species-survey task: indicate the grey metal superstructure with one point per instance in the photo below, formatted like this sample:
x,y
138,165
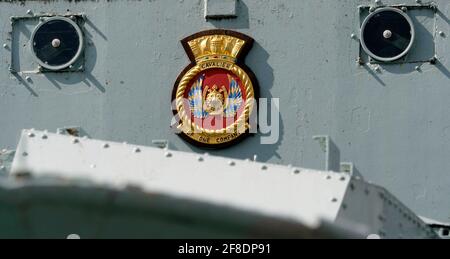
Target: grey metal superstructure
x,y
340,110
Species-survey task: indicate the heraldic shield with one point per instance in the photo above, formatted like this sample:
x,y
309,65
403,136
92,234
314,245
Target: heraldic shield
x,y
215,96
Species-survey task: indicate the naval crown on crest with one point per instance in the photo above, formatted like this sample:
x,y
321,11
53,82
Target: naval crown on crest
x,y
213,45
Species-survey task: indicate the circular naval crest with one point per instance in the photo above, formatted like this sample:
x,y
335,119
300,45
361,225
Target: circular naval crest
x,y
215,95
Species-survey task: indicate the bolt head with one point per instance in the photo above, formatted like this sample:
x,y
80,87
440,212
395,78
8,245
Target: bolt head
x,y
441,33
387,34
137,150
231,163
56,43
5,46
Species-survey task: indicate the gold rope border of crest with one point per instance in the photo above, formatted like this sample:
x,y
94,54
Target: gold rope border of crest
x,y
242,120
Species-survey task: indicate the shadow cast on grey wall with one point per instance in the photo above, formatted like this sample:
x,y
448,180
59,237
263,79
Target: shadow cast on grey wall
x,y
25,83
442,16
86,76
441,67
373,73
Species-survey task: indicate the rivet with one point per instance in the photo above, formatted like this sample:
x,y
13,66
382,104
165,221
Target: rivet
x,y
5,46
441,33
264,167
42,19
419,1
342,178
106,145
231,163
377,1
28,78
334,200
200,159
31,135
404,9
137,150
328,177
372,9
75,141
168,154
377,69
29,12
353,36
24,154
44,136
297,171
417,68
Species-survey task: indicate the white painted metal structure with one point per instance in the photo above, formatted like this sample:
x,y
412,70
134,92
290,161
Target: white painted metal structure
x,y
306,196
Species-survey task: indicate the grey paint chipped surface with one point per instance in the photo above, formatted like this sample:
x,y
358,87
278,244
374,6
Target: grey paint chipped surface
x,y
393,125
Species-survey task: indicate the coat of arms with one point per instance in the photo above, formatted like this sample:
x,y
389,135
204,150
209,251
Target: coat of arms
x,y
215,94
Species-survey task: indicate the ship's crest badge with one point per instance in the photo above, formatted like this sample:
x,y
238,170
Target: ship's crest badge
x,y
215,95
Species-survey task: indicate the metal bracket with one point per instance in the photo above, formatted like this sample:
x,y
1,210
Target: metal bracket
x,y
161,143
332,155
75,131
220,9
